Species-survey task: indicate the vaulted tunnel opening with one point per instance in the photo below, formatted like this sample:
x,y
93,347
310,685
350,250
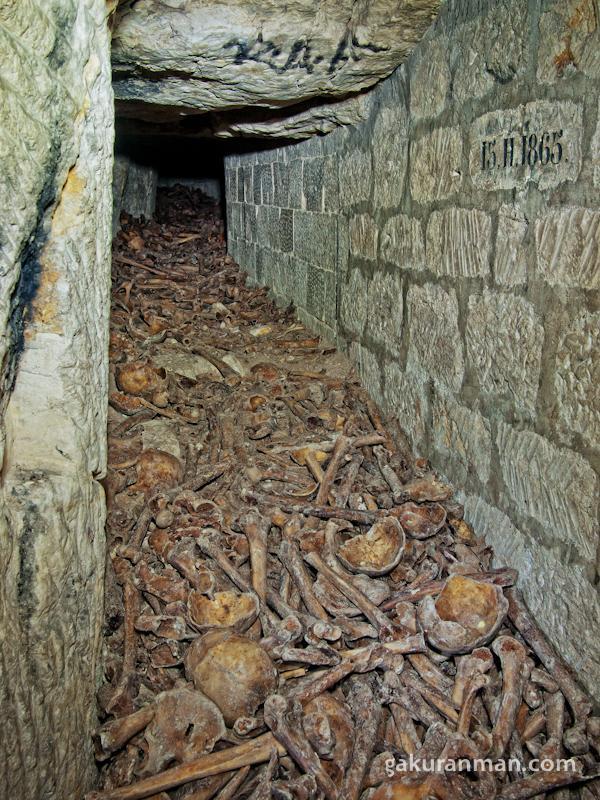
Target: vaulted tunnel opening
x,y
305,484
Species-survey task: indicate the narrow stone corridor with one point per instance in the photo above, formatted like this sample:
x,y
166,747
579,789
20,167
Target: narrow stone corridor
x,y
293,605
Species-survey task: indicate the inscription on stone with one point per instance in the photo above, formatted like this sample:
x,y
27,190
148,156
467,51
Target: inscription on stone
x,y
531,149
536,143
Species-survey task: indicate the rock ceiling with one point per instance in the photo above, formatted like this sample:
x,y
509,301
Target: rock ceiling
x,y
257,67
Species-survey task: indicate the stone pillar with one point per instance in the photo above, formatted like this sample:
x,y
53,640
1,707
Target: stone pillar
x,y
56,132
134,190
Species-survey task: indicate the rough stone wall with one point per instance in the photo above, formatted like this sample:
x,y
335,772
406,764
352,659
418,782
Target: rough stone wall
x,y
452,245
56,134
134,190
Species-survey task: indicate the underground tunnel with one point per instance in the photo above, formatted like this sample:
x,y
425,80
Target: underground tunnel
x,y
299,408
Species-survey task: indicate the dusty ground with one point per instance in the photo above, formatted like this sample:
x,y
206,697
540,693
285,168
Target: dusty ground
x,y
291,602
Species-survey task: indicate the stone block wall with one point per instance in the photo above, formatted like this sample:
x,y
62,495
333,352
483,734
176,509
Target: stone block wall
x,y
56,139
451,244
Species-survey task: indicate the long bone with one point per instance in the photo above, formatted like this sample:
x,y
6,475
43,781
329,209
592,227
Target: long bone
x,y
513,657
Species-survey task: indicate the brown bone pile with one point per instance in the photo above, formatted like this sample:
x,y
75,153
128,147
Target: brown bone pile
x,y
292,604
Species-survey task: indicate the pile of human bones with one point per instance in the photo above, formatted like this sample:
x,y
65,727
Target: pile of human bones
x,y
294,606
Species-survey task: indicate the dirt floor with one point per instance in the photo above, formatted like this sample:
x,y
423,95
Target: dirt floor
x,y
293,606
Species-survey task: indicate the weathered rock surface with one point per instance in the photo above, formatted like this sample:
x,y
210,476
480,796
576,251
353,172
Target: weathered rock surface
x,y
250,60
577,380
555,589
435,346
55,166
504,345
553,485
461,438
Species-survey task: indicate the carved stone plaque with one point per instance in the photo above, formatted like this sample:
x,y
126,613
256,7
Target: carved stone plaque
x,y
536,143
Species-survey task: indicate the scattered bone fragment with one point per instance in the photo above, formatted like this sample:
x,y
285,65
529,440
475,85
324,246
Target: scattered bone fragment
x,y
513,656
255,751
291,601
284,720
185,724
116,733
534,636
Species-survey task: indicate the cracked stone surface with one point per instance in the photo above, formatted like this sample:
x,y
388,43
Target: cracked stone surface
x,y
243,62
56,157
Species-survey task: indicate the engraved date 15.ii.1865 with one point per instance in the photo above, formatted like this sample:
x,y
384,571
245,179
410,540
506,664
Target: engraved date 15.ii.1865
x,y
529,149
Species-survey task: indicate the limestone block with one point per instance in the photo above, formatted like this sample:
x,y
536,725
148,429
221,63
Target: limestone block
x,y
385,305
435,347
436,165
429,79
370,371
510,265
504,345
389,143
298,280
343,246
568,247
331,185
233,250
139,191
577,380
235,220
279,282
263,184
294,167
266,226
558,592
535,143
459,242
237,185
320,294
248,183
315,238
355,178
364,236
281,184
406,400
487,49
250,222
353,302
267,186
401,242
231,174
595,150
286,230
313,189
462,440
244,254
326,332
569,41
555,486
